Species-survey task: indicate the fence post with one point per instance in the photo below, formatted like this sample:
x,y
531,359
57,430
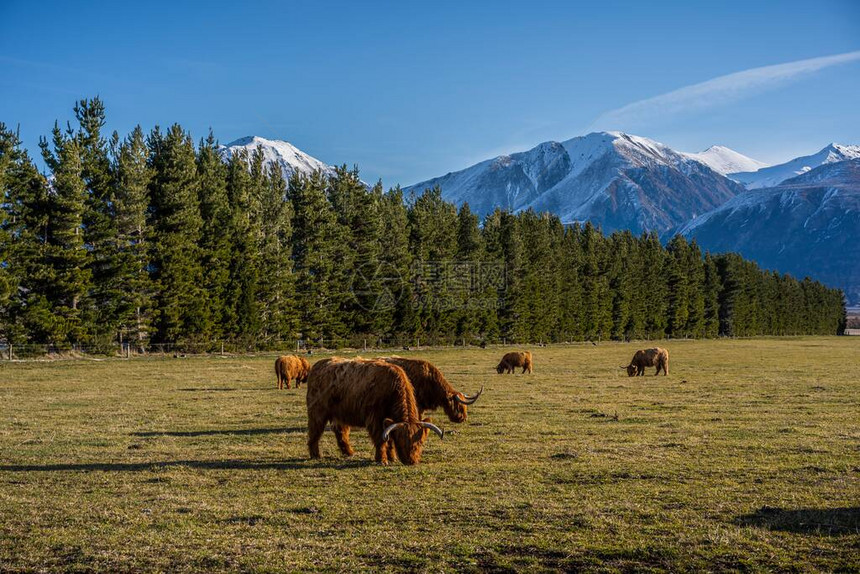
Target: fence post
x,y
365,345
297,346
128,350
10,351
222,348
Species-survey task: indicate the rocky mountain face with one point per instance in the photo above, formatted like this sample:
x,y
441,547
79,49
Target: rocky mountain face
x,y
283,154
615,180
775,175
807,225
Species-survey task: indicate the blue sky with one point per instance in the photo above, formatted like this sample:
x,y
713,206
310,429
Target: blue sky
x,y
410,91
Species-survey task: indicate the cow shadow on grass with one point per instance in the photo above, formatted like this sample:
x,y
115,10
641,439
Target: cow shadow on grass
x,y
818,521
229,464
223,432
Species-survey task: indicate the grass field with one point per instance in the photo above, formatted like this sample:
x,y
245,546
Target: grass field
x,y
746,457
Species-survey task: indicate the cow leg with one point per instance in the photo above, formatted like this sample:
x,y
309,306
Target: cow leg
x,y
289,384
316,427
341,433
381,450
374,429
391,451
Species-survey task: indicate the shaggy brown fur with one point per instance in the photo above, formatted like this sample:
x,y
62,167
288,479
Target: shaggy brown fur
x,y
655,357
365,393
289,367
515,359
432,390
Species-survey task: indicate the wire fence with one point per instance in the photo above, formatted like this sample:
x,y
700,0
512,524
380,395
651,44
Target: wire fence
x,y
36,351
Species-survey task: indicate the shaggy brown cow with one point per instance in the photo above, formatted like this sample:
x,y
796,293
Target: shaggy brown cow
x,y
289,367
432,390
366,393
515,359
655,357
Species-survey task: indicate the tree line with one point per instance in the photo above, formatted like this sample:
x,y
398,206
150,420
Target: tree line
x,y
153,238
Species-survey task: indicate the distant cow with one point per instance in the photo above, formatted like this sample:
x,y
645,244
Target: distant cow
x,y
366,393
655,357
432,390
289,367
515,359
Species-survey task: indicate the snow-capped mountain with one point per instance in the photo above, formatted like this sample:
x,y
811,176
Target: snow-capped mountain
x,y
808,225
613,179
277,152
775,175
726,160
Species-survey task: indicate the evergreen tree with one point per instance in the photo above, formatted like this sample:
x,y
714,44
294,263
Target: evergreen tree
x,y
103,305
242,305
467,275
180,306
314,234
396,302
130,276
27,314
711,298
216,236
678,286
433,241
277,288
66,254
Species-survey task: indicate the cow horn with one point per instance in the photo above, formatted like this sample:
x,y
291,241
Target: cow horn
x,y
388,430
467,400
433,428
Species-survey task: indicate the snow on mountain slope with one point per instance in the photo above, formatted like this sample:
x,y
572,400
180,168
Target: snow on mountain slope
x,y
616,180
808,225
290,158
725,160
775,175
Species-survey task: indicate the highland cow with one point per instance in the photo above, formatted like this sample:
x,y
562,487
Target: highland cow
x,y
515,359
371,394
432,390
289,367
655,357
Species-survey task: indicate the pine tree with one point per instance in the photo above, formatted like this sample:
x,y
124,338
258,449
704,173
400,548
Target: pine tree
x,y
130,201
276,279
65,252
102,306
711,298
433,241
175,219
468,274
315,232
242,305
396,296
216,235
678,284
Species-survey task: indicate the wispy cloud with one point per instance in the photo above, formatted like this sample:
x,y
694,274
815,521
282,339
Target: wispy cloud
x,y
715,92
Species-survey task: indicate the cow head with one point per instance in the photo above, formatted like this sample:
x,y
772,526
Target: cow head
x,y
631,370
455,406
501,368
409,438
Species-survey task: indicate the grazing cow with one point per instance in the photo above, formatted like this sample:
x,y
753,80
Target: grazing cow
x,y
289,367
515,359
655,357
371,394
432,390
